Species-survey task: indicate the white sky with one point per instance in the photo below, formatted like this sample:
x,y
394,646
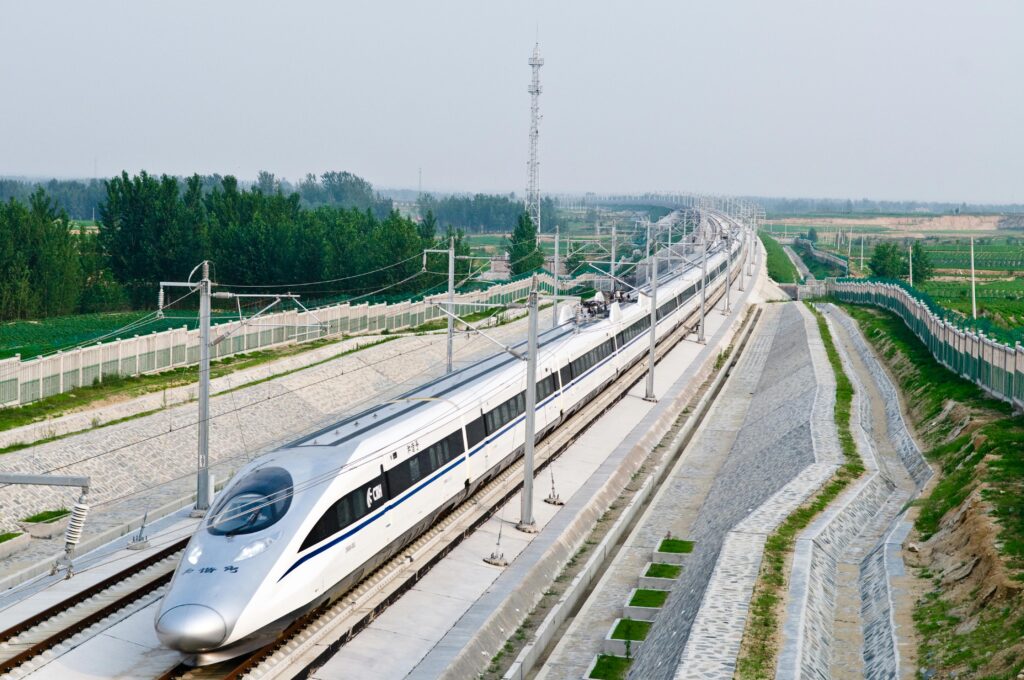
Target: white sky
x,y
909,99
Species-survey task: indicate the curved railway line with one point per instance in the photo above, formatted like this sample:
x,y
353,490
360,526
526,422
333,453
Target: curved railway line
x,y
111,600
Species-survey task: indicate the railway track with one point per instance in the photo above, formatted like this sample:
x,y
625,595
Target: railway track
x,y
22,643
102,605
332,626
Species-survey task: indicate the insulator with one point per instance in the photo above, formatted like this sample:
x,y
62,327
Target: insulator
x,y
160,304
75,525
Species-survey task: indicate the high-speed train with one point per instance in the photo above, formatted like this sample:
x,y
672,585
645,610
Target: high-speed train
x,y
298,527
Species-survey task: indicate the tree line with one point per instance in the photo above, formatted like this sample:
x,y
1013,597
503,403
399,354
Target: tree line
x,y
158,228
484,212
81,199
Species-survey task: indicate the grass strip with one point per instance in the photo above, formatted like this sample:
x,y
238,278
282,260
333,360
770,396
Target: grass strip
x,y
629,629
759,650
659,570
675,545
648,598
9,535
47,516
610,667
780,267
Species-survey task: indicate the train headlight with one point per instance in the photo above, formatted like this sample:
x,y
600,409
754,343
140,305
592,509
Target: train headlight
x,y
256,547
194,554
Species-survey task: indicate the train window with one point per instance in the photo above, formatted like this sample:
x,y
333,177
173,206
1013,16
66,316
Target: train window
x,y
257,501
348,509
475,431
546,387
566,372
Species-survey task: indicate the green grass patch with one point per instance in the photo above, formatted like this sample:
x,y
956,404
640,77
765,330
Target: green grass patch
x,y
9,535
659,570
648,598
758,655
628,629
675,545
780,267
47,516
610,667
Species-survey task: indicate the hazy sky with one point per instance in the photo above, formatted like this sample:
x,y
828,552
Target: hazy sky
x,y
895,99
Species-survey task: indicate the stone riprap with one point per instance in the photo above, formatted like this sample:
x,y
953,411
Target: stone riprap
x,y
898,432
714,642
841,556
149,462
774,444
881,564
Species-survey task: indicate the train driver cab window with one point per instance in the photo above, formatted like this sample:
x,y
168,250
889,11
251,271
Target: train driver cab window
x,y
256,502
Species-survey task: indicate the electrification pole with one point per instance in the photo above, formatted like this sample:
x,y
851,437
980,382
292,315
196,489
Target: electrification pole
x,y
203,475
910,259
614,244
203,287
554,305
526,521
451,300
703,280
728,271
652,264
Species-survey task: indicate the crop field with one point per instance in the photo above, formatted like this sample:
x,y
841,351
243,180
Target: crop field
x,y
989,254
32,338
1002,301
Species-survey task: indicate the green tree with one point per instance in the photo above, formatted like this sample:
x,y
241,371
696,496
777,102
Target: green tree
x,y
923,268
40,273
812,235
888,261
523,253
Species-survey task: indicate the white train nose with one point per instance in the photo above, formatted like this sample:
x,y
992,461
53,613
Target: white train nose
x,y
191,628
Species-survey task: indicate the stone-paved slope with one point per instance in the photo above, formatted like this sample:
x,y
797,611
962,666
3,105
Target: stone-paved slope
x,y
773,446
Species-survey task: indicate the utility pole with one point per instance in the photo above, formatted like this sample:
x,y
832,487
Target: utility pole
x,y
526,521
554,305
203,476
910,259
452,257
652,264
614,244
862,255
728,271
203,286
451,300
703,279
744,240
974,299
203,447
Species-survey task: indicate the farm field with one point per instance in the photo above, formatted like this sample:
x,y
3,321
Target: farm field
x,y
999,300
915,225
999,255
32,338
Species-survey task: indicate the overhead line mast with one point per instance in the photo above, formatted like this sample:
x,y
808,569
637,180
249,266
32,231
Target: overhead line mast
x,y
533,165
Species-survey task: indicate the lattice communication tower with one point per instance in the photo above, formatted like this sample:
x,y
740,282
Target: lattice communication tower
x,y
533,165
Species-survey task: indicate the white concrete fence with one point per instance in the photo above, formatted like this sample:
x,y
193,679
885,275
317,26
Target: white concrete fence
x,y
25,381
996,367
